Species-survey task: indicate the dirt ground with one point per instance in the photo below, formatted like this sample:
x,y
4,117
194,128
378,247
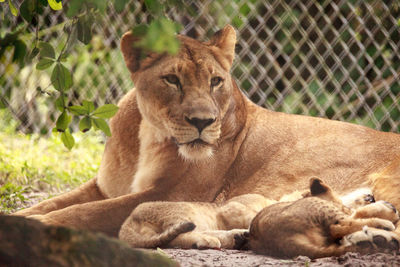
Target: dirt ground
x,y
193,257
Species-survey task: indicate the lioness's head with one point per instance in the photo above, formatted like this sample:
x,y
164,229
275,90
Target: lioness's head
x,y
185,96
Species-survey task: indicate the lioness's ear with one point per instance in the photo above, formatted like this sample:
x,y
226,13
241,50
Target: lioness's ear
x,y
131,53
225,39
317,187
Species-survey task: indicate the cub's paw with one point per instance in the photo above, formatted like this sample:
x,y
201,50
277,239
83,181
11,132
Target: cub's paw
x,y
242,240
373,240
206,241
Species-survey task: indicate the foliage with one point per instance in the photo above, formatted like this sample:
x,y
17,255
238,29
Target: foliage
x,y
30,164
11,196
158,36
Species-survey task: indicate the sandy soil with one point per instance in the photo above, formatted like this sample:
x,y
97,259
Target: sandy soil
x,y
193,257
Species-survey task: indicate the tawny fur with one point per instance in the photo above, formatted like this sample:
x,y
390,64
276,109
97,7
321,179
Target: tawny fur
x,y
166,224
247,149
313,225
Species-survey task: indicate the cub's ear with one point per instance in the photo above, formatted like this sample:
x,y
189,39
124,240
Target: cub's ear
x,y
225,40
132,54
317,187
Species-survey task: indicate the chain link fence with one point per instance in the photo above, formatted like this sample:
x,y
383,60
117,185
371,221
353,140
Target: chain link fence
x,y
338,59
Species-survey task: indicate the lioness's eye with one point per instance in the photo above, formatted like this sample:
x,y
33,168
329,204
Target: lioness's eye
x,y
173,79
215,81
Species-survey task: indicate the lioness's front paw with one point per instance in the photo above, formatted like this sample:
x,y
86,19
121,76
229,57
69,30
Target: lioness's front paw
x,y
380,209
383,224
373,239
387,211
206,241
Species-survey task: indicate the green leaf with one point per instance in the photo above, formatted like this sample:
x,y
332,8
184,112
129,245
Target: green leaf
x,y
84,30
19,52
106,111
85,124
100,4
119,5
63,121
44,63
67,139
74,7
154,6
72,30
102,125
140,30
61,102
78,110
88,105
61,78
27,10
46,50
13,9
1,1
55,5
161,36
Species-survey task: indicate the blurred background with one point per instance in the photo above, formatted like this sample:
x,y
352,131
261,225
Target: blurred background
x,y
335,59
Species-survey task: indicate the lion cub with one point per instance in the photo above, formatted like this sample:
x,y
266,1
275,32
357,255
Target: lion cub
x,y
319,225
192,224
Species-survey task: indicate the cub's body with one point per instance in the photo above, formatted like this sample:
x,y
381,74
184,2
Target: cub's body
x,y
191,224
320,225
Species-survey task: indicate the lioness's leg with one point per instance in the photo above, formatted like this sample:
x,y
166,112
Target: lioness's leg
x,y
84,193
380,209
104,216
348,226
386,185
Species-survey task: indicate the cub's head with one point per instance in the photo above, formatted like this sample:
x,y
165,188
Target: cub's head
x,y
185,97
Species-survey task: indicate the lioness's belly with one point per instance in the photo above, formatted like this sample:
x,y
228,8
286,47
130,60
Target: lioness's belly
x,y
282,152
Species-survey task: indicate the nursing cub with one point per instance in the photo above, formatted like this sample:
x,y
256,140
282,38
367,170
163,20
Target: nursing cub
x,y
319,225
315,223
192,224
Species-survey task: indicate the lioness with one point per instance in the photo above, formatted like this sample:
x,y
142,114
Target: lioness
x,y
192,224
187,133
312,226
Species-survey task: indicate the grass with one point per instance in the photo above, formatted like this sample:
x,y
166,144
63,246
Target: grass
x,y
33,166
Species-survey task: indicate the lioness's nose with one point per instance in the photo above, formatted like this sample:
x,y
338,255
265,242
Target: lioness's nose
x,y
200,124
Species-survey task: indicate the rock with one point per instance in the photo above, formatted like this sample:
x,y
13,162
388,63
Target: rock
x,y
26,242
